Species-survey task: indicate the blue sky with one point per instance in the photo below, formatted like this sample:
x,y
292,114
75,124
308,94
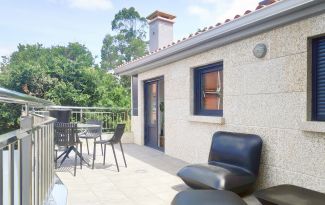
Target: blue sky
x,y
57,22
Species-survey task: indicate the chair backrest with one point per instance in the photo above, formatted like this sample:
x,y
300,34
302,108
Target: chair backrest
x,y
65,134
61,115
118,133
241,150
95,130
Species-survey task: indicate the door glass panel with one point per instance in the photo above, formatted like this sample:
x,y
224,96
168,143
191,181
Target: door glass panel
x,y
152,95
212,90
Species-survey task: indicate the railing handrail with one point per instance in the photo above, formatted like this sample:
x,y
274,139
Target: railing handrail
x,y
10,96
10,137
86,108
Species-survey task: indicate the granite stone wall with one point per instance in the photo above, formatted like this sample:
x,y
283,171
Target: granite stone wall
x,y
267,96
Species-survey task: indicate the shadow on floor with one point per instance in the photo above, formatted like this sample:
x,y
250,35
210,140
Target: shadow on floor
x,y
68,164
154,157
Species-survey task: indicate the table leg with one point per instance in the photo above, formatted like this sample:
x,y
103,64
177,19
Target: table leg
x,y
65,151
81,157
66,155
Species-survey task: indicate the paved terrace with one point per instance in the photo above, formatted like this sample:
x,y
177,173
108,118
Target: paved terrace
x,y
149,179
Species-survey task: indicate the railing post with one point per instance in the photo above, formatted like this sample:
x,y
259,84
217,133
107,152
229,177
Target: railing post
x,y
26,110
26,162
81,117
26,170
11,174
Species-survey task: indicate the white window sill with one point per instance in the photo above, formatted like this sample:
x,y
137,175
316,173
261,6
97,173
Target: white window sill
x,y
312,126
207,119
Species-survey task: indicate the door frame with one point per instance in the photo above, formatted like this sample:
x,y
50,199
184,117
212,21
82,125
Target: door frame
x,y
145,84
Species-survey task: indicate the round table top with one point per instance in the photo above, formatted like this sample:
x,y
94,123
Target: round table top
x,y
82,125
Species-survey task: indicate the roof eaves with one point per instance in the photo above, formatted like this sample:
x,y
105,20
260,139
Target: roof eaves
x,y
205,31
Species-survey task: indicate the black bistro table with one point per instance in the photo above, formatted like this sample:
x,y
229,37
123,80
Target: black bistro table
x,y
84,127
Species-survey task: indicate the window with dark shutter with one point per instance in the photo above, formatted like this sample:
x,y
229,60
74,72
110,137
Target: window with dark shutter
x,y
318,65
135,95
208,88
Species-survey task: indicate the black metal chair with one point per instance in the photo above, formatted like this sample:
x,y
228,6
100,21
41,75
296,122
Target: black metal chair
x,y
92,133
116,139
233,164
62,115
65,136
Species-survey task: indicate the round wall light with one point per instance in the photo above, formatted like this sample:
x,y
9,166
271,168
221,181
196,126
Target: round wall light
x,y
260,50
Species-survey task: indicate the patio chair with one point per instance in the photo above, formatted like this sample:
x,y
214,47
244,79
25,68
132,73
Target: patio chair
x,y
116,139
62,115
92,133
233,164
65,136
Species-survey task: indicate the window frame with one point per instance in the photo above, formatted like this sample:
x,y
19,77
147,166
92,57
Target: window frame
x,y
314,115
198,73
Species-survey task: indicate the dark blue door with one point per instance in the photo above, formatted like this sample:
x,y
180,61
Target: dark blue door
x,y
151,113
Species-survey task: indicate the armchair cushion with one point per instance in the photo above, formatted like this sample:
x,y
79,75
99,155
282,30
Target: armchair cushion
x,y
207,197
216,176
289,195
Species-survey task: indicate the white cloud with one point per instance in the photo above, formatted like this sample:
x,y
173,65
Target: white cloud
x,y
236,7
87,4
201,12
208,1
220,10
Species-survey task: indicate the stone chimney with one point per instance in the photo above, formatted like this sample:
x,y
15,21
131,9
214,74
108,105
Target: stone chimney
x,y
160,29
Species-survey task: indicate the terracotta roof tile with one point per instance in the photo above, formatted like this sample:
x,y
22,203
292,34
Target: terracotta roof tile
x,y
261,5
247,12
267,2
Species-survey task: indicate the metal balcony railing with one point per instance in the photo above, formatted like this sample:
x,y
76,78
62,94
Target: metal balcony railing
x,y
27,155
109,116
27,174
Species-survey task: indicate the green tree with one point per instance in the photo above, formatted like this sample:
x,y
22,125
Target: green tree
x,y
35,70
111,91
128,43
65,75
4,63
129,40
129,23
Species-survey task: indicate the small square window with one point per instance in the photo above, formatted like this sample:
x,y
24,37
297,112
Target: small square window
x,y
208,90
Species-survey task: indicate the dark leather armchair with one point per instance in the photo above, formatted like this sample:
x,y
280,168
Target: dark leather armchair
x,y
233,164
